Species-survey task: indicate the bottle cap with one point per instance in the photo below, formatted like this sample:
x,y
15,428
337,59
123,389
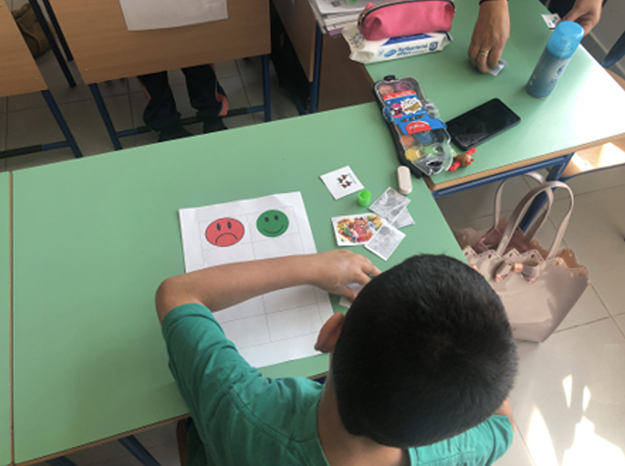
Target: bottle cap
x,y
364,197
565,39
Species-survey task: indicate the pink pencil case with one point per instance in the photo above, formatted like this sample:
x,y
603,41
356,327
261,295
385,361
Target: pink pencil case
x,y
405,17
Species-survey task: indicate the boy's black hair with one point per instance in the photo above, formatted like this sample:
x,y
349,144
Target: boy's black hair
x,y
425,353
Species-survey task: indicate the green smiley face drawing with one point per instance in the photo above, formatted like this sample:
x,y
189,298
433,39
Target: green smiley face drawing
x,y
272,223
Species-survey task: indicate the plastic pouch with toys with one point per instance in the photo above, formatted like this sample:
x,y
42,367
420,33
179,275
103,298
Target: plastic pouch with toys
x,y
421,138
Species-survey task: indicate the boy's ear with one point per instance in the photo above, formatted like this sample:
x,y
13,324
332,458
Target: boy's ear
x,y
329,333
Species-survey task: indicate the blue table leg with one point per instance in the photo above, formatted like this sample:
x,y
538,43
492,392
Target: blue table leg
x,y
105,116
57,29
554,175
138,451
314,86
266,88
69,137
55,48
61,461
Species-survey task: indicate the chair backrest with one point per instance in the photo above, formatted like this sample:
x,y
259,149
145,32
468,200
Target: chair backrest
x,y
22,75
616,52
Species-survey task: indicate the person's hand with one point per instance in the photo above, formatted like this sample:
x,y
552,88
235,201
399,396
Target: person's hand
x,y
491,32
334,270
586,13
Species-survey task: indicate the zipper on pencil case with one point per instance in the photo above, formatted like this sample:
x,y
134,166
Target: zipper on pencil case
x,y
364,13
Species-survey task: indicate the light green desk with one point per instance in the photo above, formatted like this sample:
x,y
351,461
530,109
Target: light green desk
x,y
94,238
579,113
5,328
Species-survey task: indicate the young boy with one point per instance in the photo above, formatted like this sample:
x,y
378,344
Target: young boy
x,y
420,369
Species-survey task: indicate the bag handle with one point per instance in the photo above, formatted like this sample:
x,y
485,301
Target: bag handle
x,y
538,222
522,208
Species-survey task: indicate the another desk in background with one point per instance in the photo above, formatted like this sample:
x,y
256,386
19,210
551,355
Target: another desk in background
x,y
335,80
5,320
89,358
578,114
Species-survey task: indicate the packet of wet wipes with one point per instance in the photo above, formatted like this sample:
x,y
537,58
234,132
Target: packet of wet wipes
x,y
372,51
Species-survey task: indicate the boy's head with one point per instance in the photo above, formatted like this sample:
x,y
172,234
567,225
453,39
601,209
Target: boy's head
x,y
425,353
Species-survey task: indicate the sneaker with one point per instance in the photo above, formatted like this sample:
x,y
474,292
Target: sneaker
x,y
173,131
212,124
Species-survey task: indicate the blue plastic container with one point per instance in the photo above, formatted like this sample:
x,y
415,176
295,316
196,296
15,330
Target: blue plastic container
x,y
554,60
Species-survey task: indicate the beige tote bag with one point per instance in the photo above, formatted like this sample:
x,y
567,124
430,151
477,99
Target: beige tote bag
x,y
538,287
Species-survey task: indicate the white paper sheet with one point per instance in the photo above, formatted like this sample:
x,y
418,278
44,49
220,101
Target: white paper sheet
x,y
277,326
142,15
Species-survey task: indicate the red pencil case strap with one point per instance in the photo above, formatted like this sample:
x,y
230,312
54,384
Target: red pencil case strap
x,y
405,17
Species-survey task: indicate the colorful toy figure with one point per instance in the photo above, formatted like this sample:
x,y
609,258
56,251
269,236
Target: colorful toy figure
x,y
462,160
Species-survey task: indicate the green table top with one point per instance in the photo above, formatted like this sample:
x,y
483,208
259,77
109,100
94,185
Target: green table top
x,y
95,237
580,110
5,350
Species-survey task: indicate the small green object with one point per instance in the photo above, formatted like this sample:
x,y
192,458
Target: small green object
x,y
364,197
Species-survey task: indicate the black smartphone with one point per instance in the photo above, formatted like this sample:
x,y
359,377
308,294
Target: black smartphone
x,y
481,123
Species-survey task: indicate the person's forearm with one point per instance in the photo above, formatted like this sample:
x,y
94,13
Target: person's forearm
x,y
226,285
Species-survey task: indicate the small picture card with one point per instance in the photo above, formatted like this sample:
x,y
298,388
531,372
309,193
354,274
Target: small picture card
x,y
551,20
346,302
404,219
352,230
342,182
389,205
496,70
385,241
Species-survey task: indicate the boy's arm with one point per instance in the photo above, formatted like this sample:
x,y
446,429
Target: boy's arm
x,y
506,410
226,285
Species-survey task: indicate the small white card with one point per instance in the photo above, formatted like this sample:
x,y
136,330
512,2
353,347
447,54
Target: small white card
x,y
496,70
551,20
385,241
404,219
389,205
342,182
346,302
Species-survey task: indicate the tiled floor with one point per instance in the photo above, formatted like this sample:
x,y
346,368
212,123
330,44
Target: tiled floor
x,y
569,400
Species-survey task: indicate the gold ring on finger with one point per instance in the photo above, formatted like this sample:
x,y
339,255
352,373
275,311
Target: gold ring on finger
x,y
483,53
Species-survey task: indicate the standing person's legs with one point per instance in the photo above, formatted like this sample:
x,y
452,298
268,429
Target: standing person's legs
x,y
207,96
161,114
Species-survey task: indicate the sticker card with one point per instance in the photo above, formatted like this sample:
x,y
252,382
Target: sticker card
x,y
385,241
551,20
341,182
352,230
404,219
389,205
496,70
346,302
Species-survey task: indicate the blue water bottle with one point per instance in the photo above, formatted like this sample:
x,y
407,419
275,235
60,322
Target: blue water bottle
x,y
560,48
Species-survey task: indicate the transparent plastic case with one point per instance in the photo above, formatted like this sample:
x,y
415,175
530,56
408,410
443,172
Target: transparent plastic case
x,y
420,137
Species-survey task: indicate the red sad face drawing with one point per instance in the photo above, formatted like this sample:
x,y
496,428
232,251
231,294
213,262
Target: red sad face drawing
x,y
225,232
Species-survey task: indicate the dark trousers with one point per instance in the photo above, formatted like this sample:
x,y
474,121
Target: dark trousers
x,y
205,94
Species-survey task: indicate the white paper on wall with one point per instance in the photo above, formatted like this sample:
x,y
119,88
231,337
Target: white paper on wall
x,y
142,15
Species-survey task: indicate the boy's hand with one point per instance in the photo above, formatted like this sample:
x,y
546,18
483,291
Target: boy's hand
x,y
334,270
